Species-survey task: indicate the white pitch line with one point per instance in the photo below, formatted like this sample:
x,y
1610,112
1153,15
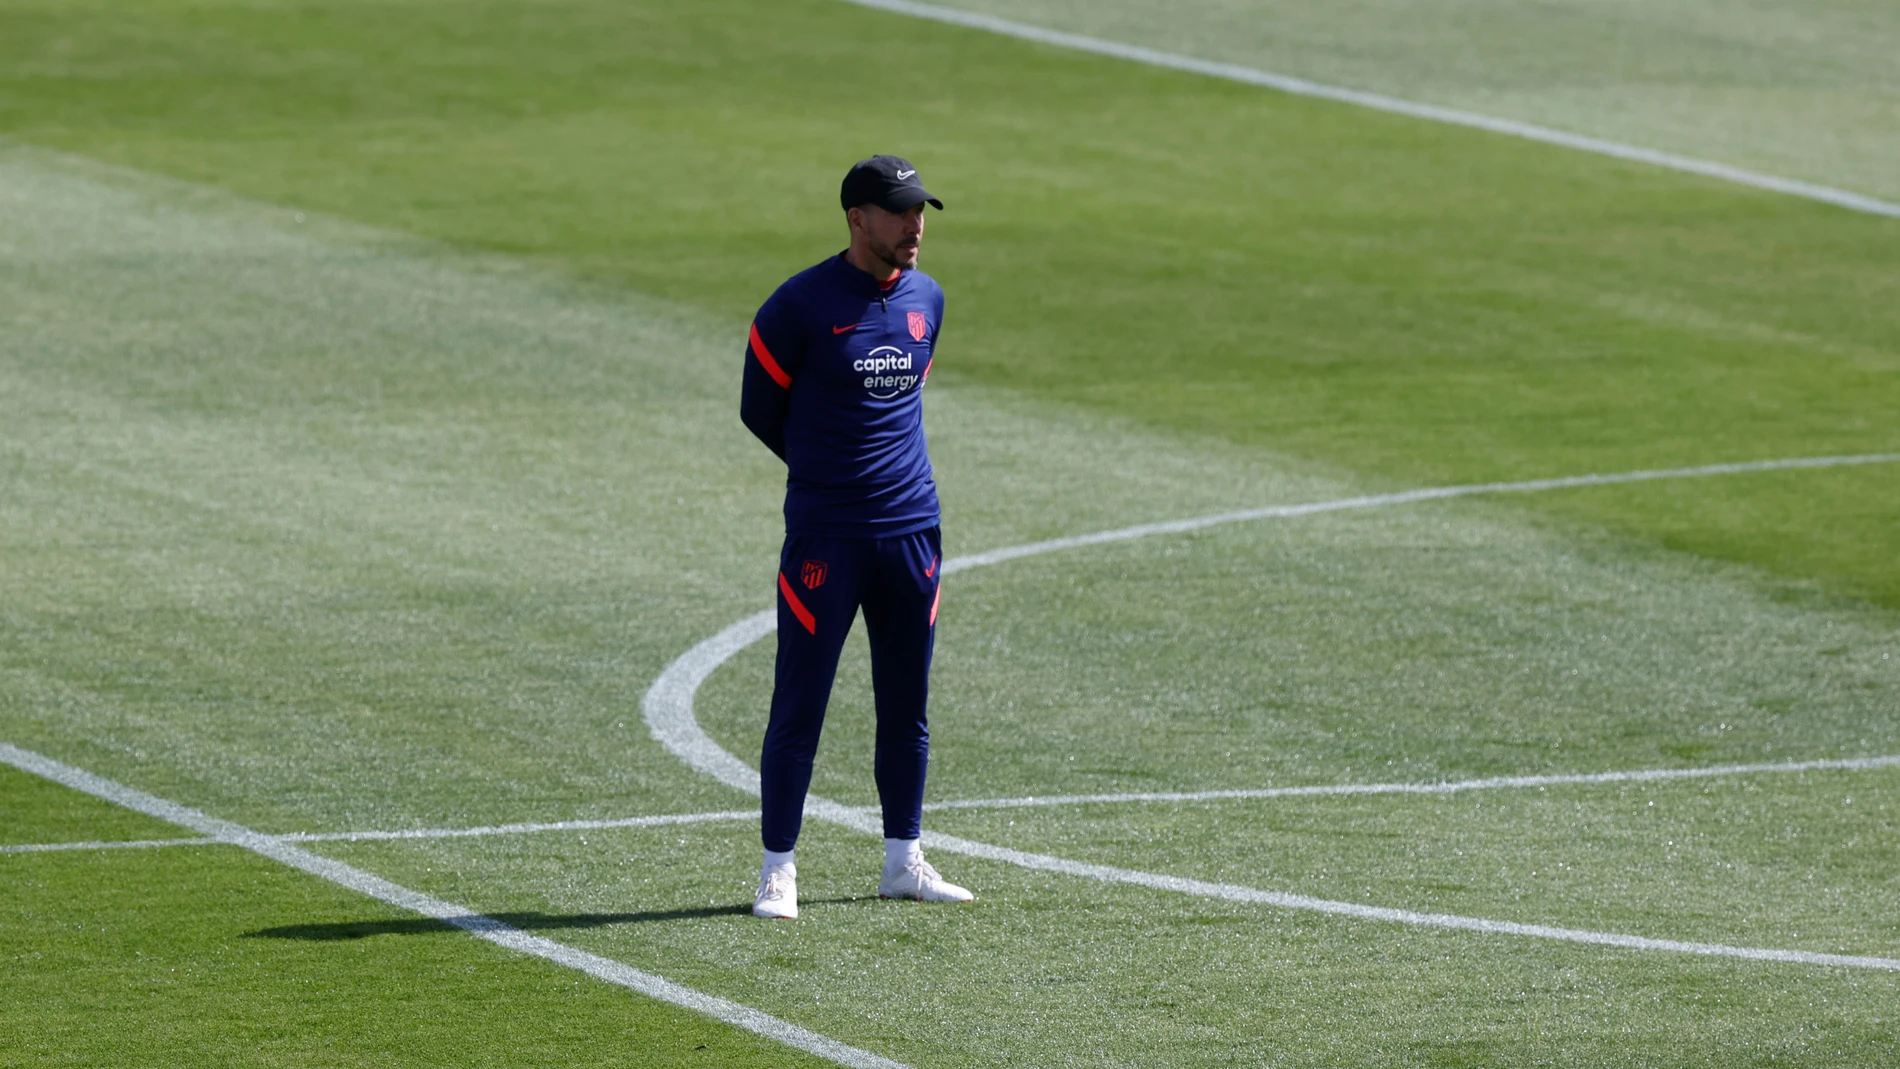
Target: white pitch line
x,y
488,928
1402,497
109,844
1236,893
668,710
1235,72
517,829
1642,775
375,835
1645,775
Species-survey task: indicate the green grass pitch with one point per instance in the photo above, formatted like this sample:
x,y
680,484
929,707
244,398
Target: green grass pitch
x,y
368,446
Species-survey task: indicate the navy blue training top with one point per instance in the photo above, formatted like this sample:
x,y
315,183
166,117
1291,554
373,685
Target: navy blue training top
x,y
834,380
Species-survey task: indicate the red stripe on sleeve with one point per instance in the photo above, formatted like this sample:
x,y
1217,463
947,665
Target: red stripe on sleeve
x,y
798,607
770,365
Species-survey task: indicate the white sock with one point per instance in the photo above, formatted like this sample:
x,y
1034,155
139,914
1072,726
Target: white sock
x,y
900,853
777,860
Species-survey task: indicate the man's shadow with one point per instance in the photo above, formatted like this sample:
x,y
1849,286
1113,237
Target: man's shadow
x,y
530,920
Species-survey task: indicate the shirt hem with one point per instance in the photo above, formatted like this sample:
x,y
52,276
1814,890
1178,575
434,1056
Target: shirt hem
x,y
864,530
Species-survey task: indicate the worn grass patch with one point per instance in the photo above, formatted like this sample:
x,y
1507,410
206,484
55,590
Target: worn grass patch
x,y
1413,302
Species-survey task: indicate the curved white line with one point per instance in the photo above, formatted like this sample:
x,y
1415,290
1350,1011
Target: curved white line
x,y
668,705
1235,72
668,710
475,924
1406,497
1236,893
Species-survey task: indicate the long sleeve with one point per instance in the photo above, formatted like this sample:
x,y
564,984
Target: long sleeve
x,y
773,351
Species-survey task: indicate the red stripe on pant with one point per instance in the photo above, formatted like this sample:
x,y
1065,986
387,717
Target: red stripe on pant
x,y
798,607
935,601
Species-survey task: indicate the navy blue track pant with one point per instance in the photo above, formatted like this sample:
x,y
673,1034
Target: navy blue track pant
x,y
822,583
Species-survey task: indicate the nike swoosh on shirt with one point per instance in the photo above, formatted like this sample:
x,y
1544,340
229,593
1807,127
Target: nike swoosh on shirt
x,y
841,330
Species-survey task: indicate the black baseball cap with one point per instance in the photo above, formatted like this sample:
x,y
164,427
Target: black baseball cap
x,y
889,182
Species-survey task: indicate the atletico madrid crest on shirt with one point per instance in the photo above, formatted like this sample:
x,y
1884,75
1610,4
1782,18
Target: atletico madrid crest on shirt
x,y
814,574
918,328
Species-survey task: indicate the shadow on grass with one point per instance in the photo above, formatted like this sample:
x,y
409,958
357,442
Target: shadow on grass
x,y
528,921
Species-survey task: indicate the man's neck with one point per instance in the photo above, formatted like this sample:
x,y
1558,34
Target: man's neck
x,y
871,264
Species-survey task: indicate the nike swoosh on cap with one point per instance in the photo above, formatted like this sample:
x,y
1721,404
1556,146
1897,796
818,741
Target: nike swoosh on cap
x,y
905,174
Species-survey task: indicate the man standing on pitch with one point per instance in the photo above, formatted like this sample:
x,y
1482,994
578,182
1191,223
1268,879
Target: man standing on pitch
x,y
834,379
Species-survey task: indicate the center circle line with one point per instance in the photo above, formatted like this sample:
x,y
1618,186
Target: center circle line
x,y
668,710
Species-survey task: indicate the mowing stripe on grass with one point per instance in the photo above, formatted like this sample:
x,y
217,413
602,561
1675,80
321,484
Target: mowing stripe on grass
x,y
1379,102
668,710
488,928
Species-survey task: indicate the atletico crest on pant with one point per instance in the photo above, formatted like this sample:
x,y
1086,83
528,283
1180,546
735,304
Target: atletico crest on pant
x,y
813,574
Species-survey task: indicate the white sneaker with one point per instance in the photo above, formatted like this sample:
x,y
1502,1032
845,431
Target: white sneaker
x,y
778,895
919,882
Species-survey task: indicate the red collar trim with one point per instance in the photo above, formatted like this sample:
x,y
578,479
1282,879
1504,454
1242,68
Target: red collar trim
x,y
883,284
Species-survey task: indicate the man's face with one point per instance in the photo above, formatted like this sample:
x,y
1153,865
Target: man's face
x,y
893,237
